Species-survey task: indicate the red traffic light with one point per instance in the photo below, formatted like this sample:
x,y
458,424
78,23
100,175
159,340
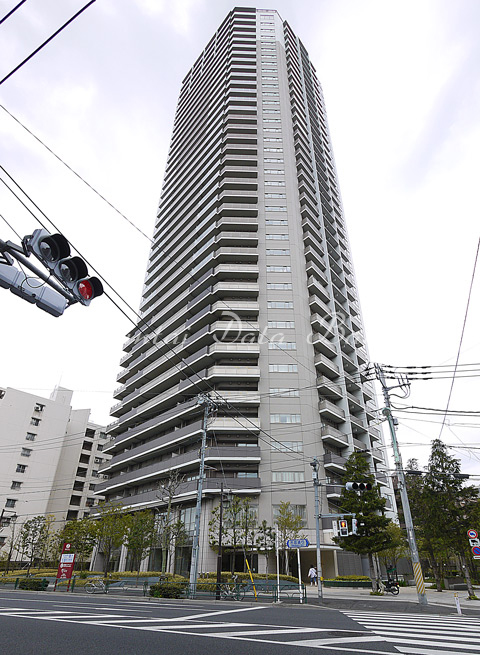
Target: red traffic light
x,y
90,288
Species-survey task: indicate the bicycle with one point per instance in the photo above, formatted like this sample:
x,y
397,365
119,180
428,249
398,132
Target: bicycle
x,y
96,585
389,587
232,590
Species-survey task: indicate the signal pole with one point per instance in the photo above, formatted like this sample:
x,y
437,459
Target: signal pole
x,y
316,484
387,412
207,405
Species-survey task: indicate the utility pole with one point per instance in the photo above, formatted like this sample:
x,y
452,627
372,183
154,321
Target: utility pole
x,y
207,405
316,485
387,412
220,550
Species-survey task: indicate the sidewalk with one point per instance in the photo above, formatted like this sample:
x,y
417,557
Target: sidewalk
x,y
406,601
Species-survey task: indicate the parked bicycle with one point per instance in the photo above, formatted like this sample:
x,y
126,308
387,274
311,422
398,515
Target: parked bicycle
x,y
97,584
232,590
389,587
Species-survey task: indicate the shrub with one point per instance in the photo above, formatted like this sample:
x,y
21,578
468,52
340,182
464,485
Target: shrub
x,y
173,588
355,578
33,584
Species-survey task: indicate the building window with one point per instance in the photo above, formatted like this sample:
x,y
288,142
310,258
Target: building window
x,y
34,421
285,286
274,183
277,251
283,237
10,502
270,86
285,393
276,221
21,468
272,120
271,94
283,368
26,452
298,510
272,129
288,446
95,474
285,418
30,436
90,502
273,160
280,304
3,541
273,139
247,474
288,476
274,171
275,209
187,517
282,345
276,195
271,111
278,269
281,324
273,149
99,447
15,484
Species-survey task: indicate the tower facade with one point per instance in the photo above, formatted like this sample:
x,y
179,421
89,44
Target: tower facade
x,y
249,296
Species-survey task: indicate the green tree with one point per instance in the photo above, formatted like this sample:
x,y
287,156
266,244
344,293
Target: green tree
x,y
110,529
446,508
168,525
81,534
288,525
31,538
368,506
140,528
234,530
398,546
265,542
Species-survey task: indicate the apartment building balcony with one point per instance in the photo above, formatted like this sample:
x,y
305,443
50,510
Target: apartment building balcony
x,y
312,255
237,254
331,411
152,448
323,325
219,372
317,306
241,223
237,209
240,289
185,461
334,491
315,271
237,306
323,345
333,436
355,405
346,345
357,424
375,434
240,397
235,424
316,287
382,479
348,364
377,455
244,271
328,388
326,366
237,239
237,329
224,348
334,463
352,383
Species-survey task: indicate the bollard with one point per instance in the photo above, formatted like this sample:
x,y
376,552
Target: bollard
x,y
457,603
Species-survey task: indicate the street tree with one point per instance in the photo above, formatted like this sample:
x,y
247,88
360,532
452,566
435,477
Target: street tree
x,y
234,528
81,534
265,542
288,526
110,529
398,547
30,539
168,525
372,535
140,528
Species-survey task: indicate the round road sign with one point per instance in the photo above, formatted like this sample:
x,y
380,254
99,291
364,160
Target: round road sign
x,y
472,534
476,550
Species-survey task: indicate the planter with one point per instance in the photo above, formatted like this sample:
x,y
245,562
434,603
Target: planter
x,y
348,584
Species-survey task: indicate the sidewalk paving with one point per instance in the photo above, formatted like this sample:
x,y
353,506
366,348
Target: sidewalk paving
x,y
406,601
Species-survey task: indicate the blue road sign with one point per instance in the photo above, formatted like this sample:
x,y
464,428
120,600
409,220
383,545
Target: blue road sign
x,y
297,543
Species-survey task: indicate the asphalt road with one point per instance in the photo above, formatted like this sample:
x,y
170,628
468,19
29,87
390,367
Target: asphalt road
x,y
39,624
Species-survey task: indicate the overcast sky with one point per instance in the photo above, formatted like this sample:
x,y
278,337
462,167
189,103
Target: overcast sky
x,y
402,86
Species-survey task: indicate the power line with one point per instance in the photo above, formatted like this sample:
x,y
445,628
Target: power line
x,y
12,11
47,41
461,337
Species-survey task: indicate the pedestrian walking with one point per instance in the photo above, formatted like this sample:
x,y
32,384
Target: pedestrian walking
x,y
312,574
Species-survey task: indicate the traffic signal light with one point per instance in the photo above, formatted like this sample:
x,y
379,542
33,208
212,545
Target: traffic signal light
x,y
354,526
358,486
343,528
32,290
53,250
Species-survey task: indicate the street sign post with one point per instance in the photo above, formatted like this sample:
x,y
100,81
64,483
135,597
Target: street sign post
x,y
297,543
67,563
472,534
474,542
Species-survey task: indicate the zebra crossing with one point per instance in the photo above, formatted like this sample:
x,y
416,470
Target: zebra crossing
x,y
217,624
423,634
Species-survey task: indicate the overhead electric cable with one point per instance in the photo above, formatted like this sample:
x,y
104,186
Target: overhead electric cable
x,y
45,42
12,11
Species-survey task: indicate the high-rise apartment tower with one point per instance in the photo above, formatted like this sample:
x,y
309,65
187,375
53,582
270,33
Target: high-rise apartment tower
x,y
249,296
